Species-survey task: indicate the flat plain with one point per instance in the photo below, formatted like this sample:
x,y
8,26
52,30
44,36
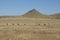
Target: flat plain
x,y
26,28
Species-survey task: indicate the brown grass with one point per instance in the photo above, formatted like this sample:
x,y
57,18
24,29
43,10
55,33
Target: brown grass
x,y
34,29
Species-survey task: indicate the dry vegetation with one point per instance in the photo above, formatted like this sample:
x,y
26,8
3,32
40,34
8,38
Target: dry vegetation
x,y
29,29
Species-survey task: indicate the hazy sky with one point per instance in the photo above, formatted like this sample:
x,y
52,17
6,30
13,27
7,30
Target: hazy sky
x,y
19,7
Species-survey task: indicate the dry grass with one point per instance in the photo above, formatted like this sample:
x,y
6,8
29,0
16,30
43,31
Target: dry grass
x,y
29,29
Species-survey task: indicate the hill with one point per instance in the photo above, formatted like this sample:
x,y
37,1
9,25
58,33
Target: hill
x,y
56,16
35,14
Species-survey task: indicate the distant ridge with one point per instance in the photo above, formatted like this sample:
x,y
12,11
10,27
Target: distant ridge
x,y
56,16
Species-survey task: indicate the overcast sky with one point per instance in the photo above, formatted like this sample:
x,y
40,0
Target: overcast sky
x,y
19,7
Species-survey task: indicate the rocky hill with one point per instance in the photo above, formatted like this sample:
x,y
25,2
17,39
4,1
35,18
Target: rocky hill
x,y
35,14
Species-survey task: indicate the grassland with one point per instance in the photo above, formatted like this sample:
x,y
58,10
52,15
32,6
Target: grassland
x,y
29,29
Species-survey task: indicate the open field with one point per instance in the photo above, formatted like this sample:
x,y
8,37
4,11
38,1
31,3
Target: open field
x,y
29,29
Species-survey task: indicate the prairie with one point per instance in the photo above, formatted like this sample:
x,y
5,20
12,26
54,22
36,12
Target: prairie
x,y
29,29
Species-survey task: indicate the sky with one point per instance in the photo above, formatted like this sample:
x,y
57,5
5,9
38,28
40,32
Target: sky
x,y
20,7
